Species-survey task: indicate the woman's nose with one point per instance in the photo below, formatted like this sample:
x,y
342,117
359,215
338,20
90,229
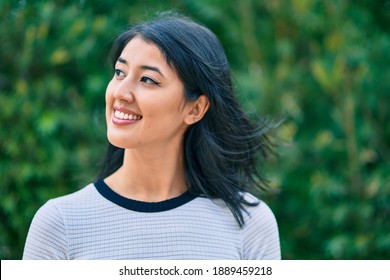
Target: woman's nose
x,y
124,91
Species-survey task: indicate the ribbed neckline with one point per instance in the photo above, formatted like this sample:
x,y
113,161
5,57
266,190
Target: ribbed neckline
x,y
141,206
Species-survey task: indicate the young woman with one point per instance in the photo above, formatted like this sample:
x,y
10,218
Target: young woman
x,y
180,165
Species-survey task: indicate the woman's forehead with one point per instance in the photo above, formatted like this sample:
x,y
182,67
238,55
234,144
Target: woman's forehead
x,y
140,49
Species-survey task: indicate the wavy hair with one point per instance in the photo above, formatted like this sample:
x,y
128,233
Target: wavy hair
x,y
222,148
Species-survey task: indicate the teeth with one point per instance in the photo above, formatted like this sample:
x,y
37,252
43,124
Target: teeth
x,y
124,116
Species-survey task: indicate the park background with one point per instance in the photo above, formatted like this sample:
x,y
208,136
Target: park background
x,y
322,66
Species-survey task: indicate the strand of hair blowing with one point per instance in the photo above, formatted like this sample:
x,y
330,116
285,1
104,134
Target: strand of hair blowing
x,y
221,152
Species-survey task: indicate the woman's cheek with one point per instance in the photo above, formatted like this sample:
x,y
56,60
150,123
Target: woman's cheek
x,y
109,91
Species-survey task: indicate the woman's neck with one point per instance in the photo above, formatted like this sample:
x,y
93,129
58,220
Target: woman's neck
x,y
150,176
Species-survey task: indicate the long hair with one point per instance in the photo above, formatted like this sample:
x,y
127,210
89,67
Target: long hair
x,y
222,148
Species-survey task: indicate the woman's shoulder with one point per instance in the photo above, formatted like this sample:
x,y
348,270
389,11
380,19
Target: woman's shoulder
x,y
47,236
77,199
258,215
260,234
255,217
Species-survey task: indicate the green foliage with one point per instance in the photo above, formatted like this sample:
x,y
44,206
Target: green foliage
x,y
322,65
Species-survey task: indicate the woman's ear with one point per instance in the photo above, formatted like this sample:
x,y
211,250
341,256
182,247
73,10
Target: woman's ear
x,y
198,110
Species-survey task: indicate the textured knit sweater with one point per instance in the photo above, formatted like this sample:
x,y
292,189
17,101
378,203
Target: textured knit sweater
x,y
97,223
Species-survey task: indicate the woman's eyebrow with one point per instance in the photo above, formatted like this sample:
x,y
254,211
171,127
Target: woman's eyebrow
x,y
152,68
121,60
147,67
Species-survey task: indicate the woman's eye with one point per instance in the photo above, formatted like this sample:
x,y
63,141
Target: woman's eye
x,y
148,80
119,73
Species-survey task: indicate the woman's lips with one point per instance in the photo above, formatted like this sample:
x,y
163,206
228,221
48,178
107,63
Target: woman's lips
x,y
124,116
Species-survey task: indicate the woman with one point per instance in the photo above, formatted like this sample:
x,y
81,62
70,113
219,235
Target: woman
x,y
180,164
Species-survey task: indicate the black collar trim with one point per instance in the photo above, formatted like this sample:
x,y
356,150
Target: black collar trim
x,y
141,206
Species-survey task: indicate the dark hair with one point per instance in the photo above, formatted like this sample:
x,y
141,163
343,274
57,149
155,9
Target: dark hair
x,y
221,149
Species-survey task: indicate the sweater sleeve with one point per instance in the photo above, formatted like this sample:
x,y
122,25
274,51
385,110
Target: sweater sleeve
x,y
47,238
260,234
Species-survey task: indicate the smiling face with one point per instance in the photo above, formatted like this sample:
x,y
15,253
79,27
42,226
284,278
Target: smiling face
x,y
145,103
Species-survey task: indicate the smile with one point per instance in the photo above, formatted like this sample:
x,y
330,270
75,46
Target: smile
x,y
125,116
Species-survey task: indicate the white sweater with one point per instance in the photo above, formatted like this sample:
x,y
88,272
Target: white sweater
x,y
97,223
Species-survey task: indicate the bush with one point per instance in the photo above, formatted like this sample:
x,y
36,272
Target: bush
x,y
323,65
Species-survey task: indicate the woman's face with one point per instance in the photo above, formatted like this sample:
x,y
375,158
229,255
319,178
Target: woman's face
x,y
145,103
